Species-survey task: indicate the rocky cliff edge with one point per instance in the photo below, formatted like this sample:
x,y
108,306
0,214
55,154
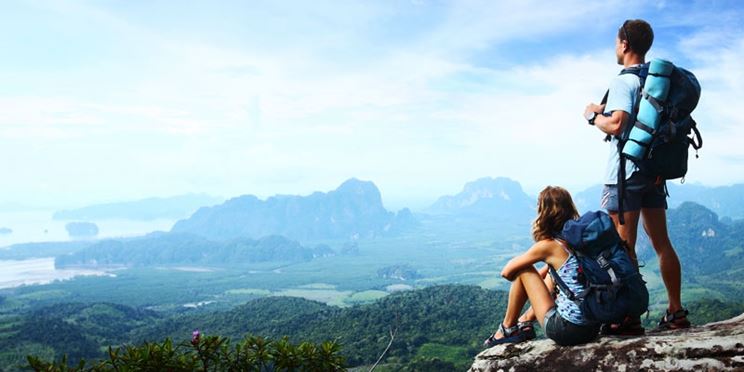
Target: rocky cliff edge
x,y
713,347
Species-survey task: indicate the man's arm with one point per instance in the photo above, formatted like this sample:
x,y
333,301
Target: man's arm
x,y
612,124
619,105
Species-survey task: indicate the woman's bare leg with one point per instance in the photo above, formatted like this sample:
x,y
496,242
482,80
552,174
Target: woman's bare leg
x,y
529,284
517,299
537,292
529,315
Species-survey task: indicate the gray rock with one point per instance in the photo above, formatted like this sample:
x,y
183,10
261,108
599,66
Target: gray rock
x,y
712,347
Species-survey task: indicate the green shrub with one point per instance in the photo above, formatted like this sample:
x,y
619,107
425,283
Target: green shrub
x,y
209,353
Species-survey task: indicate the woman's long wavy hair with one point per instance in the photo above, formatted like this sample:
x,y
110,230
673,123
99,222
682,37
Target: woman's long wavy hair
x,y
554,208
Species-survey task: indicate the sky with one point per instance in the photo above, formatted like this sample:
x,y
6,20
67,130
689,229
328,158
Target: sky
x,y
105,101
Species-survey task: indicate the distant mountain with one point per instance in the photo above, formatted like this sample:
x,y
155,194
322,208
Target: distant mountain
x,y
146,209
709,249
588,199
726,201
496,198
703,243
186,249
353,210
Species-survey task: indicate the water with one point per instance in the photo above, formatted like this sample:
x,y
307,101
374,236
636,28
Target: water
x,y
38,226
37,271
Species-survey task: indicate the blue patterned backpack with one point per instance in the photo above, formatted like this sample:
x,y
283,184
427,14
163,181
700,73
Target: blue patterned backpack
x,y
615,288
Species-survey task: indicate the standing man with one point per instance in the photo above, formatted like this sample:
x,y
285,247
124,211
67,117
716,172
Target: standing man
x,y
643,195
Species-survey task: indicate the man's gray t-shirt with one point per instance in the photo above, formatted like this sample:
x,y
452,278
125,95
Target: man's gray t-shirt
x,y
623,94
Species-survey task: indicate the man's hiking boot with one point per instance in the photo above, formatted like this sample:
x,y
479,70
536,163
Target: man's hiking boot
x,y
675,320
629,327
521,332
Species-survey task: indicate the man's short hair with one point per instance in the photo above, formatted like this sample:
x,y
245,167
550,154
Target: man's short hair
x,y
638,34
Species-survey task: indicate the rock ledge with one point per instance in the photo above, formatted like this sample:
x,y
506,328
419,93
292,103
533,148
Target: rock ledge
x,y
712,347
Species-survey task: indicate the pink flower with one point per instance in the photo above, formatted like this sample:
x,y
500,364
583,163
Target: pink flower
x,y
195,337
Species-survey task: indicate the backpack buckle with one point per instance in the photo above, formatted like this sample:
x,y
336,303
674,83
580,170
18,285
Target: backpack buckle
x,y
602,261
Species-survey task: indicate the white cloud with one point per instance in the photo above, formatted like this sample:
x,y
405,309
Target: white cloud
x,y
416,114
717,64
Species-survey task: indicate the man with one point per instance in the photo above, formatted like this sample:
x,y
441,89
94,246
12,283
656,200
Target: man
x,y
643,195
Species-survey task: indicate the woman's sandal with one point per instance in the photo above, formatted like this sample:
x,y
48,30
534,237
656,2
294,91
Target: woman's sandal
x,y
521,332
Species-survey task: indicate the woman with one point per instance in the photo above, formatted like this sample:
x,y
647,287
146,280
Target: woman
x,y
561,318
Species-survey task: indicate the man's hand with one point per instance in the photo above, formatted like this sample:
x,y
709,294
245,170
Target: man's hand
x,y
593,108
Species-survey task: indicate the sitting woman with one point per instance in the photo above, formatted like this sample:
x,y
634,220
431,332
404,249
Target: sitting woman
x,y
561,318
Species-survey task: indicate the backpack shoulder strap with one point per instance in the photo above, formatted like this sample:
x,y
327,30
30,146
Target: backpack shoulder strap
x,y
642,72
561,284
557,279
638,70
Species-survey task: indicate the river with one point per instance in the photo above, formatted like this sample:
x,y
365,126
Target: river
x,y
14,273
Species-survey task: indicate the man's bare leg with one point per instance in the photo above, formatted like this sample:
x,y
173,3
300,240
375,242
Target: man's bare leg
x,y
629,231
654,222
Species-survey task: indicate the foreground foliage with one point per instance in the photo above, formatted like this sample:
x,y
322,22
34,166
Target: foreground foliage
x,y
448,315
211,353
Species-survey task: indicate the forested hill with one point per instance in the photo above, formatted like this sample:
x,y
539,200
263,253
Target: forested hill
x,y
450,316
704,243
441,326
186,249
354,209
447,322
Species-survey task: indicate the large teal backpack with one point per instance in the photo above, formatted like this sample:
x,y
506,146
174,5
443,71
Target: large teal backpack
x,y
658,142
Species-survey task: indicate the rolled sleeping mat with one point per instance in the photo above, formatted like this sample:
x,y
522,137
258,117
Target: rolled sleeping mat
x,y
655,92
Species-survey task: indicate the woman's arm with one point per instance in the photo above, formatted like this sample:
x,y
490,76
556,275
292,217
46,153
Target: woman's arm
x,y
538,252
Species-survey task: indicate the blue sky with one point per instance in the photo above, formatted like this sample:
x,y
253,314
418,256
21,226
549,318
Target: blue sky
x,y
118,100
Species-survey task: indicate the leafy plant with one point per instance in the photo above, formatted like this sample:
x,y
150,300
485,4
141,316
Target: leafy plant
x,y
209,353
